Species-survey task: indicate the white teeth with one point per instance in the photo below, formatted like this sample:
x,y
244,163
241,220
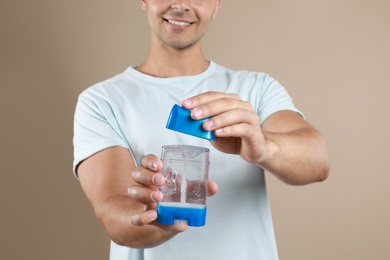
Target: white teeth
x,y
178,23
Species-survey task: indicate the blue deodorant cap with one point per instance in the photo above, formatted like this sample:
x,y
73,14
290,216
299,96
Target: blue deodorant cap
x,y
180,120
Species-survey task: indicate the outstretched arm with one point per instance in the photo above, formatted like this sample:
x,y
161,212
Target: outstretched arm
x,y
296,152
124,197
284,144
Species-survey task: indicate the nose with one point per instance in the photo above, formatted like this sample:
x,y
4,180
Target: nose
x,y
181,5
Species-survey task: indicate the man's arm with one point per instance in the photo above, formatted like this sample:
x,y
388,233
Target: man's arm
x,y
296,152
285,144
127,214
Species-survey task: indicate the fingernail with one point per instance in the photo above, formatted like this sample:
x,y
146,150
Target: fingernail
x,y
208,124
219,131
197,112
154,166
156,196
187,102
152,214
158,179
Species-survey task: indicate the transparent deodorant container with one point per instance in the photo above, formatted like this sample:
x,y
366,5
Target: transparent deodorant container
x,y
186,170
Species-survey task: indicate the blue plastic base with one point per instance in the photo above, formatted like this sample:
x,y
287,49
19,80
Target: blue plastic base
x,y
195,217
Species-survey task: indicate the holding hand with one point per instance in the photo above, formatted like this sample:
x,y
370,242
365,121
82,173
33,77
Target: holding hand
x,y
233,121
124,197
146,191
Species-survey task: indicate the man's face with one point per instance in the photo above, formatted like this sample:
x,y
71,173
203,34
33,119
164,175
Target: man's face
x,y
180,23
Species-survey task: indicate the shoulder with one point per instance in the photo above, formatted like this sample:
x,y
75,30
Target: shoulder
x,y
246,79
243,74
106,88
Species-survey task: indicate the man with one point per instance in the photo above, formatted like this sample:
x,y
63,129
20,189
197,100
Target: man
x,y
120,128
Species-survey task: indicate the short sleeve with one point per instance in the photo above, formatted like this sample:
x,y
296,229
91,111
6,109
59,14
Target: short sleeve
x,y
95,127
274,98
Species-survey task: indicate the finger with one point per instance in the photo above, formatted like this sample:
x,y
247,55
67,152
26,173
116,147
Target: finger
x,y
152,162
231,118
150,216
212,188
144,218
145,177
219,106
243,131
203,98
144,195
177,227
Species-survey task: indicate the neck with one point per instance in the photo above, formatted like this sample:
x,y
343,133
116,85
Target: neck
x,y
166,62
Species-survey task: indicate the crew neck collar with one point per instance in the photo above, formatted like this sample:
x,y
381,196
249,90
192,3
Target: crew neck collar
x,y
181,79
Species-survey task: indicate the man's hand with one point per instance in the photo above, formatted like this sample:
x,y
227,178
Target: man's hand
x,y
125,197
148,179
235,124
145,190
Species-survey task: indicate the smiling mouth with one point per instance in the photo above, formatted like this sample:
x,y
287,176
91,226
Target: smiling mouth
x,y
179,23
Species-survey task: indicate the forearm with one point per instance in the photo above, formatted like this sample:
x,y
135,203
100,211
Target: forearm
x,y
297,157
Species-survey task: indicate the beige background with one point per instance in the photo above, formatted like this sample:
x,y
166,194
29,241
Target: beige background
x,y
333,56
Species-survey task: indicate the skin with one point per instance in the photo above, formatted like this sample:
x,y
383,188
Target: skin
x,y
176,50
124,196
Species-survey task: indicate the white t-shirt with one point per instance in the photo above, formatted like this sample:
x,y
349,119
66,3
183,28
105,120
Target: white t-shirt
x,y
131,110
